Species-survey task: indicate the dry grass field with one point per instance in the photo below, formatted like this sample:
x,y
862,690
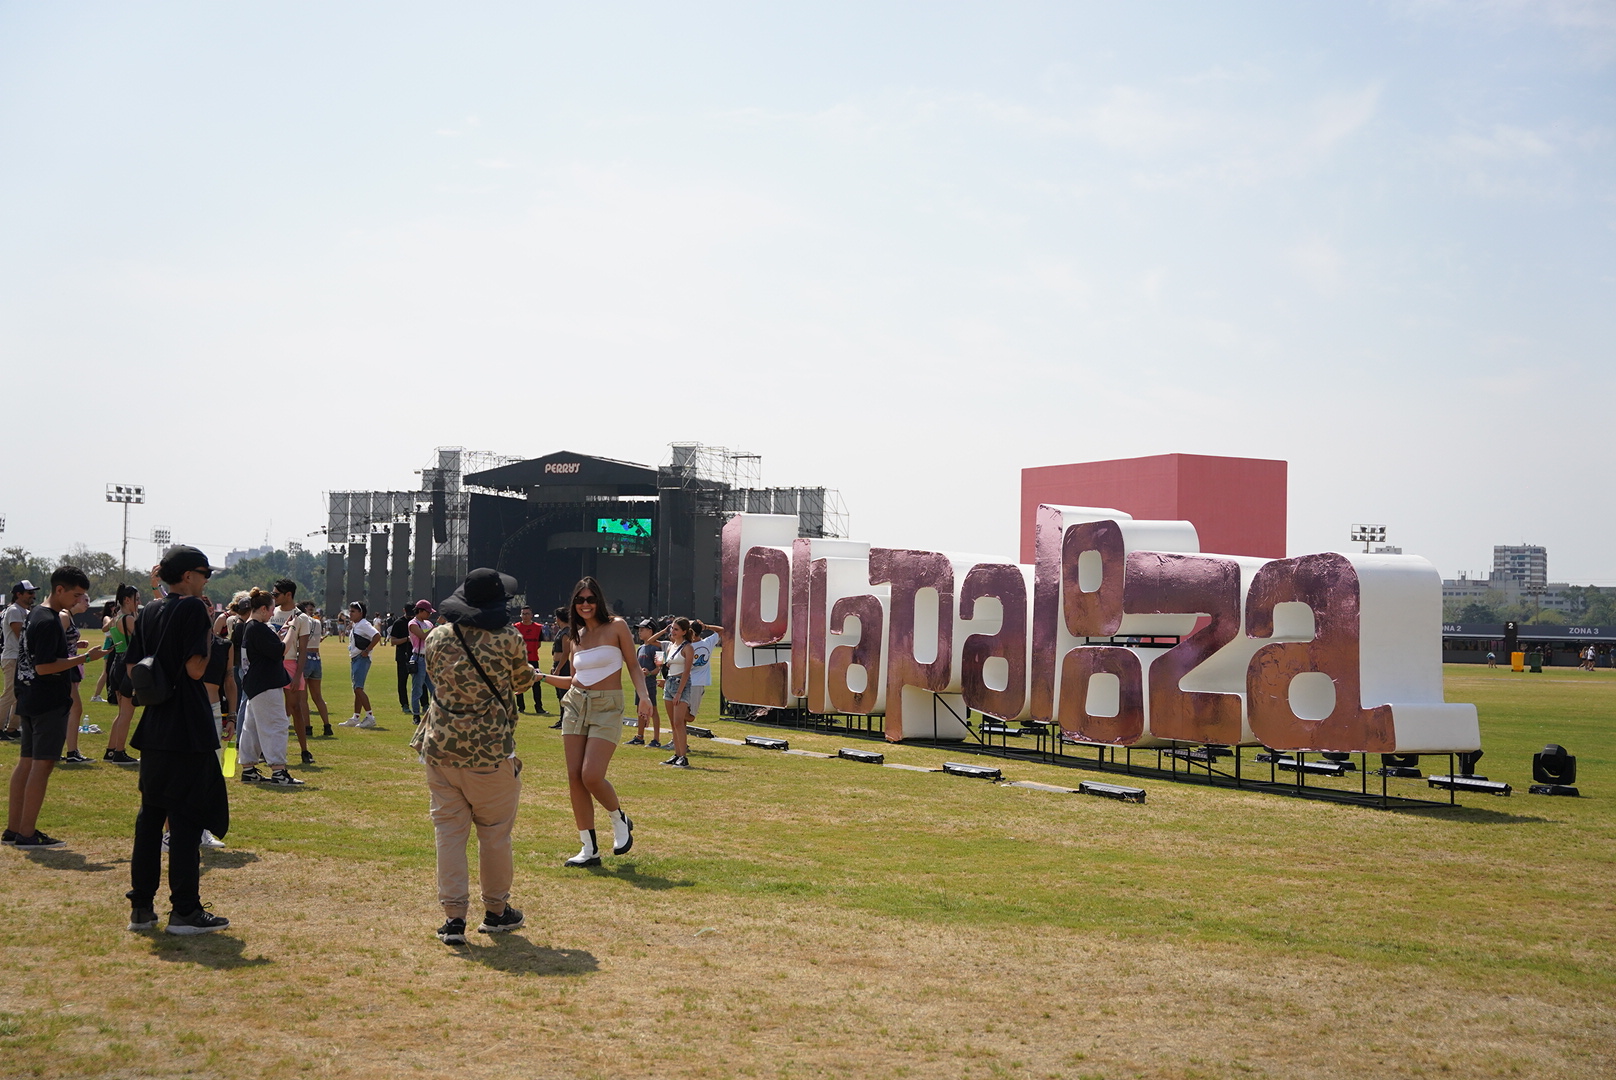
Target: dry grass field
x,y
787,916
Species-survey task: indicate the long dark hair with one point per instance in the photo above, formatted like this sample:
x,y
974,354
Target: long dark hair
x,y
603,612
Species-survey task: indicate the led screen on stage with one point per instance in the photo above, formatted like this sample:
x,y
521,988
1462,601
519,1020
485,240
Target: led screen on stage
x,y
639,528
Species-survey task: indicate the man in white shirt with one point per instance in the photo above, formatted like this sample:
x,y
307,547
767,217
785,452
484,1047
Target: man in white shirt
x,y
12,621
295,629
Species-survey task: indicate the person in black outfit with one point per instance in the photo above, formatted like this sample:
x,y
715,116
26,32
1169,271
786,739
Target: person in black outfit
x,y
180,779
559,664
398,632
45,665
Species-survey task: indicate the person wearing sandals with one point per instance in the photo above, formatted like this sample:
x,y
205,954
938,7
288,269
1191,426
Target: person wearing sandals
x,y
476,664
597,646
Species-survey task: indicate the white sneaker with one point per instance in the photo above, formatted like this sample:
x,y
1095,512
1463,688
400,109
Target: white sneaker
x,y
367,723
98,699
211,841
165,839
352,721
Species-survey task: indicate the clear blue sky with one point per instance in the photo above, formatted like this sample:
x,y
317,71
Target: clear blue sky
x,y
903,250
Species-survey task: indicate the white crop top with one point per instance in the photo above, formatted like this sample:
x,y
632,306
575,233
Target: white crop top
x,y
676,661
590,666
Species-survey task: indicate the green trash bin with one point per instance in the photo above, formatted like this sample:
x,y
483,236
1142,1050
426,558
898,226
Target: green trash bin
x,y
1534,661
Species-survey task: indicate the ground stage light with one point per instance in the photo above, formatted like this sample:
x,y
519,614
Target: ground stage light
x,y
869,757
1002,729
1403,765
980,772
1315,768
1555,772
698,732
1112,791
765,743
1469,783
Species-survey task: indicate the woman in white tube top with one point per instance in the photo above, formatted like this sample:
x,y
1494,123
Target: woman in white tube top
x,y
597,649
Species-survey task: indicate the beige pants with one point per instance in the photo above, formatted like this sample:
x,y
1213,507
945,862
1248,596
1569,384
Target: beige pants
x,y
487,798
8,704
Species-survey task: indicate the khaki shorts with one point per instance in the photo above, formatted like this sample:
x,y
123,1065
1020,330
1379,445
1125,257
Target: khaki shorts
x,y
597,714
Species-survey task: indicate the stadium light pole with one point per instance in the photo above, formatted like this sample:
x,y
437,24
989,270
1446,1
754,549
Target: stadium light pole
x,y
127,494
1367,534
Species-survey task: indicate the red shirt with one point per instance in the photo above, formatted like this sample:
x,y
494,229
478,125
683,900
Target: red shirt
x,y
532,633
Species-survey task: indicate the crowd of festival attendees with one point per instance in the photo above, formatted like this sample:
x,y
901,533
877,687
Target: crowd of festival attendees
x,y
207,693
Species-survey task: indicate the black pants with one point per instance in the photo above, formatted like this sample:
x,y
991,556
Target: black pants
x,y
184,860
402,655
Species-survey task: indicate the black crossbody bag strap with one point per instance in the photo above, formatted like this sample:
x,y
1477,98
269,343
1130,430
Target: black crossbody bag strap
x,y
504,701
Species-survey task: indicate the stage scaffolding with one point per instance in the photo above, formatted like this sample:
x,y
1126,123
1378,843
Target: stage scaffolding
x,y
724,482
443,504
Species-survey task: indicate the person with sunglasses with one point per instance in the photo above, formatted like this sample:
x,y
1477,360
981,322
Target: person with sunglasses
x,y
597,648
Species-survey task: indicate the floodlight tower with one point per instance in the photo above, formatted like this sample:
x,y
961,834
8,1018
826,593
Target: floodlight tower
x,y
126,494
161,538
1368,534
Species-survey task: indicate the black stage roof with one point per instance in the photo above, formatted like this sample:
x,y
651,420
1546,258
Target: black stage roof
x,y
565,468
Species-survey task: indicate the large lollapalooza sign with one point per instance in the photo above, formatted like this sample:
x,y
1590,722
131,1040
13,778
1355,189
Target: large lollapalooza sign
x,y
1122,632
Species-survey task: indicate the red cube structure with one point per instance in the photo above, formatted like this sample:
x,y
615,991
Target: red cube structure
x,y
1237,505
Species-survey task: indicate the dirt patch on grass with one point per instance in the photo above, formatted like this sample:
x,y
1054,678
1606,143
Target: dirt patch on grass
x,y
331,969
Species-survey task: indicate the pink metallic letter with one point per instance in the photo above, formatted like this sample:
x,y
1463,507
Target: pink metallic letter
x,y
908,572
764,684
1085,661
1004,582
1046,597
866,654
1329,585
1099,613
1166,584
761,562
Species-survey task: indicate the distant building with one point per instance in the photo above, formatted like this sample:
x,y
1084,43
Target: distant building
x,y
1526,565
242,556
1388,549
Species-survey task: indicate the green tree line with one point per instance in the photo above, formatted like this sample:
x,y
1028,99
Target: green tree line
x,y
1591,606
307,568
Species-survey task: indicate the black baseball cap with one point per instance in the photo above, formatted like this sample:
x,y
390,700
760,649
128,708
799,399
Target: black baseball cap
x,y
645,624
23,586
181,558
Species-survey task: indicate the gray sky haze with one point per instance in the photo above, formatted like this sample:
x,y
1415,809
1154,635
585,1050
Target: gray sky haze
x,y
251,253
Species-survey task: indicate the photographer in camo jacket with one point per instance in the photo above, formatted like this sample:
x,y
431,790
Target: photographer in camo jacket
x,y
467,740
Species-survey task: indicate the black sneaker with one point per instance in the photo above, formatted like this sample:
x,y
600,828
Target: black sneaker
x,y
674,760
452,932
38,840
509,919
200,921
8,837
119,757
635,741
73,757
282,778
555,725
328,733
544,712
142,918
10,735
251,775
656,745
680,762
308,758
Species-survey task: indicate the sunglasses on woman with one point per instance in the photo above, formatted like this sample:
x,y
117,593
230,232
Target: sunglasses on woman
x,y
583,599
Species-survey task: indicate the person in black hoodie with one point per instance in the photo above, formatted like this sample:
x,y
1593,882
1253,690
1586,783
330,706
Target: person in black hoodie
x,y
180,778
263,719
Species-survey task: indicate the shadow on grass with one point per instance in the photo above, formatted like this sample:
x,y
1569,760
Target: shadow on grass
x,y
629,874
1471,815
519,956
226,860
57,859
214,951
